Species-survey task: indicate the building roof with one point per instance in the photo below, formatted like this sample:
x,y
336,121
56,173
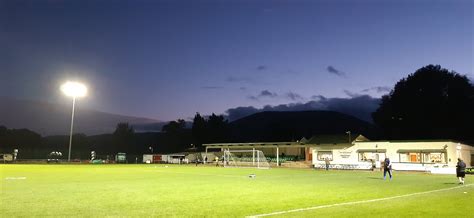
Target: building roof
x,y
334,139
328,139
256,144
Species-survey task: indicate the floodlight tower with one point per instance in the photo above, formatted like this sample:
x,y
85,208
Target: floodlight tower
x,y
74,90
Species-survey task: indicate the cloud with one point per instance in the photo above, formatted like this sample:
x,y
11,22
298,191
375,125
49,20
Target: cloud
x,y
262,67
243,88
239,79
212,87
351,94
378,89
359,106
255,98
293,96
335,71
266,93
239,112
318,97
263,94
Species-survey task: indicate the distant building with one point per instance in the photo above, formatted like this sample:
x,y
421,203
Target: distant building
x,y
436,156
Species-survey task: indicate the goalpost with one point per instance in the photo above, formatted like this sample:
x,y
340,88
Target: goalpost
x,y
245,158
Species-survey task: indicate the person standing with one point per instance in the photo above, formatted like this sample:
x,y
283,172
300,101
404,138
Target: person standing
x,y
387,168
372,161
326,161
461,171
217,161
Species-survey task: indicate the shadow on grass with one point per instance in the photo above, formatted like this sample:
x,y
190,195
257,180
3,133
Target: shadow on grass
x,y
450,183
372,177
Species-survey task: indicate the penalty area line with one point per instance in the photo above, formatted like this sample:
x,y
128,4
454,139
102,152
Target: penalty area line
x,y
355,202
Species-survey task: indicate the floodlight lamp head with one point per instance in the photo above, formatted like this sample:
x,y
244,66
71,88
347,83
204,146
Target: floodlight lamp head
x,y
74,89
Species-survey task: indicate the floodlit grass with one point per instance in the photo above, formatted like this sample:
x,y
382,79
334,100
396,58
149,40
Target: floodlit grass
x,y
206,191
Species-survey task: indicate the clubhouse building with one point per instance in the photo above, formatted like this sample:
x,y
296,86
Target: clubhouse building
x,y
436,156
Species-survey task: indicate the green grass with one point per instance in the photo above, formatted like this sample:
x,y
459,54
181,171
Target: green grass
x,y
189,191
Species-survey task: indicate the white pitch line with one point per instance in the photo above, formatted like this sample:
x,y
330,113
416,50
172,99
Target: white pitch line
x,y
354,202
15,178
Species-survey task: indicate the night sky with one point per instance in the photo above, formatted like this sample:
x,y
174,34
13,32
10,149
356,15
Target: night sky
x,y
170,59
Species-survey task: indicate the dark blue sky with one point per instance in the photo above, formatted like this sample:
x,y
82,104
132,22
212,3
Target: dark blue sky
x,y
170,59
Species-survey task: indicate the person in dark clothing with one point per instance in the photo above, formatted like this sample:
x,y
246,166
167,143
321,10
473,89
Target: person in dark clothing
x,y
387,168
461,171
326,161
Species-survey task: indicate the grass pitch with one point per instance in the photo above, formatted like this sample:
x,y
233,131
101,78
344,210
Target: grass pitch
x,y
207,191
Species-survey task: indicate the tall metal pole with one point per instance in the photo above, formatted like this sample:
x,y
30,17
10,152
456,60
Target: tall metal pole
x,y
70,133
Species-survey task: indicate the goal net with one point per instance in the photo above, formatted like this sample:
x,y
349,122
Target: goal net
x,y
245,158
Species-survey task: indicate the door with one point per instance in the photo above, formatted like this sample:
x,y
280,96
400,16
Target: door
x,y
413,158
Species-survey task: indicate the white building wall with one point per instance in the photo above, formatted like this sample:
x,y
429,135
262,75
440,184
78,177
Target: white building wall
x,y
347,157
147,157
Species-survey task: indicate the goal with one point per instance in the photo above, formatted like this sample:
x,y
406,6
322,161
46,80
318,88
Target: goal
x,y
245,158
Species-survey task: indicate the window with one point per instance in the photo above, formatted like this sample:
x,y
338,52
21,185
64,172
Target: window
x,y
423,157
371,156
434,158
322,155
410,157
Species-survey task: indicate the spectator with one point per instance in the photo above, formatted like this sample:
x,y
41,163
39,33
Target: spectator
x,y
326,161
461,171
387,168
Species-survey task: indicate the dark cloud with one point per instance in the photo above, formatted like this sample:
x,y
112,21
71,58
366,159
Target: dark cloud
x,y
266,93
263,94
212,87
335,71
239,79
243,88
318,97
378,89
255,98
351,94
262,67
293,96
239,112
360,106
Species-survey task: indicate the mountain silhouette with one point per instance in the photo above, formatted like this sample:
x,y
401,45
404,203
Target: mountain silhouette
x,y
291,126
54,119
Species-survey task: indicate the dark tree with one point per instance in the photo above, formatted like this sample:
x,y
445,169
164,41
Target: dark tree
x,y
199,130
174,126
124,129
123,138
176,136
26,141
217,128
432,103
